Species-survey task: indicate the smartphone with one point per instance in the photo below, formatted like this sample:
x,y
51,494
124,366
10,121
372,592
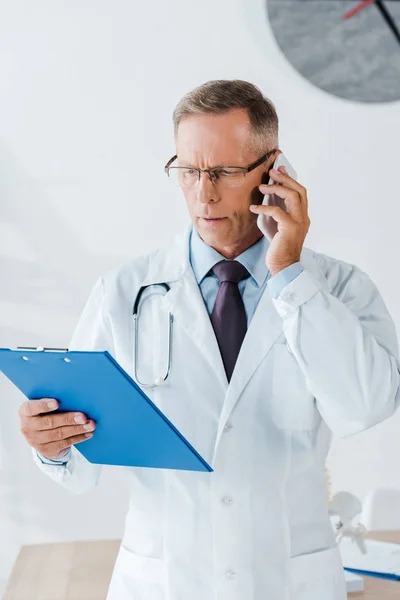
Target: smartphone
x,y
267,224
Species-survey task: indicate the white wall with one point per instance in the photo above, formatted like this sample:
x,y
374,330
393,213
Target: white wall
x,y
86,95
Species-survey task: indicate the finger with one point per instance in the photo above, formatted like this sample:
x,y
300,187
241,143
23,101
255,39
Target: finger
x,y
32,408
273,188
62,433
52,421
291,198
54,448
287,181
42,437
274,211
304,198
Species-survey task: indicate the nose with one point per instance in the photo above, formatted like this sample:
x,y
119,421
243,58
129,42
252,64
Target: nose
x,y
207,190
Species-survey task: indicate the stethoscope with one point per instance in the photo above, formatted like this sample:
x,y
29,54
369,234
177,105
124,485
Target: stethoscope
x,y
160,380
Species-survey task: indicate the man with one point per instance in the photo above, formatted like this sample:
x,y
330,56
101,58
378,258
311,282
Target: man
x,y
274,348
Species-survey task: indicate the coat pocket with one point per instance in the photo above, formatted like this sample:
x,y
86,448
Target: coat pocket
x,y
317,576
293,405
139,577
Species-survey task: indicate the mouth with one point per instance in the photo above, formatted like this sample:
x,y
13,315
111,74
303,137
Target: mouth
x,y
213,219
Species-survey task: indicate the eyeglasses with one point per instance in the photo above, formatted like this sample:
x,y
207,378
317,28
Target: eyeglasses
x,y
227,177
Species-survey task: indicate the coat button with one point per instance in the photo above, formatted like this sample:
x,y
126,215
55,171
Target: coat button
x,y
229,574
289,296
227,500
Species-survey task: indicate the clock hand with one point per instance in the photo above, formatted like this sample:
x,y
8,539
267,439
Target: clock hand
x,y
384,12
389,19
357,9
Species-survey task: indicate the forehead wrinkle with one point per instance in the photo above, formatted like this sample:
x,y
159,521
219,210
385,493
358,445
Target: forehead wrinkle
x,y
214,157
212,141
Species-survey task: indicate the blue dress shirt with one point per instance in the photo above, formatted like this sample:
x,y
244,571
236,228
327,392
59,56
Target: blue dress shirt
x,y
203,257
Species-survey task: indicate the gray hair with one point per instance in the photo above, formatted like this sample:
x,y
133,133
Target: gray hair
x,y
220,96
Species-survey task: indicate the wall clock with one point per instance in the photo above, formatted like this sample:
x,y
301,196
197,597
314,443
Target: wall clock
x,y
349,48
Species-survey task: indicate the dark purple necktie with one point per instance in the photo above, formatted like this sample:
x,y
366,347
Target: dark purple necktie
x,y
228,317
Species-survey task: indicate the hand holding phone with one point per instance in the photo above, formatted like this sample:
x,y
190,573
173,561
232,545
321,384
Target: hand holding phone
x,y
265,223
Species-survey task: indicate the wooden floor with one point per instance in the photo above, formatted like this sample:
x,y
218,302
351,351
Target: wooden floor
x,y
66,571
82,571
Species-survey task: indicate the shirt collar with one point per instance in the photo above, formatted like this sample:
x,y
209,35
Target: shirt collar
x,y
204,257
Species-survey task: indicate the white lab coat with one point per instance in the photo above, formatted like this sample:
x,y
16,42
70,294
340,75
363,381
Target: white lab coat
x,y
321,358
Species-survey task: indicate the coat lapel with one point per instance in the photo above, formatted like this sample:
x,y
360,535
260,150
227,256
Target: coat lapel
x,y
185,302
265,328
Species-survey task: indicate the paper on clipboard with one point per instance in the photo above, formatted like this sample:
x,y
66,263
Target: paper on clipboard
x,y
382,558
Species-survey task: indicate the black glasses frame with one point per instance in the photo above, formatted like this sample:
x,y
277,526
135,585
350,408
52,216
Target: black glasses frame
x,y
213,172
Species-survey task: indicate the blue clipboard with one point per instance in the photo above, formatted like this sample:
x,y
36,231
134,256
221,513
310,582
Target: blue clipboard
x,y
374,574
130,429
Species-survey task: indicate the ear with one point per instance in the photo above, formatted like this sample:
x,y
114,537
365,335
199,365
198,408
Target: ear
x,y
271,160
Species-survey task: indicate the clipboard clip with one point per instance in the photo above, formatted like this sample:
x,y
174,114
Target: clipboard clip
x,y
42,349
